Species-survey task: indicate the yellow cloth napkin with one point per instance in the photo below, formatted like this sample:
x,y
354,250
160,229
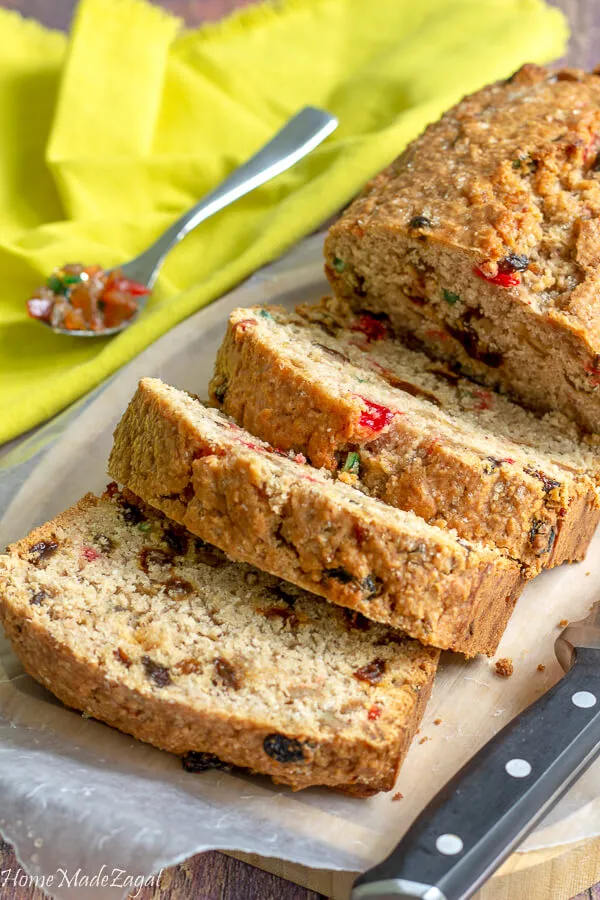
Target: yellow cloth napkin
x,y
106,138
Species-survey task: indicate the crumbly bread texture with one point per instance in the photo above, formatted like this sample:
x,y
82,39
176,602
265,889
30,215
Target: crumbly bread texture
x,y
296,522
339,387
482,240
129,618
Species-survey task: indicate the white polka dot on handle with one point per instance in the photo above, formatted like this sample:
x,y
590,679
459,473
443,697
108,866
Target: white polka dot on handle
x,y
449,844
518,768
584,699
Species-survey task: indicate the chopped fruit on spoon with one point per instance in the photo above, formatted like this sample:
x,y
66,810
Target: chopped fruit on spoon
x,y
86,298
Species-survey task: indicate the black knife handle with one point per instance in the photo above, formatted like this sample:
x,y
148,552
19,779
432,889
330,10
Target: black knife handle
x,y
475,821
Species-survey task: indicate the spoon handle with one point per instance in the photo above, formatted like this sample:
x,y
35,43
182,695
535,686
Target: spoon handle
x,y
295,140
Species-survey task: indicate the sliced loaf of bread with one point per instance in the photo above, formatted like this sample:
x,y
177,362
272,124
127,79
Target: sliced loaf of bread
x,y
342,389
127,617
297,522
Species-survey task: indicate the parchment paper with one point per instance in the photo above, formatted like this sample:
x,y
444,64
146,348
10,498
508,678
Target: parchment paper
x,y
80,800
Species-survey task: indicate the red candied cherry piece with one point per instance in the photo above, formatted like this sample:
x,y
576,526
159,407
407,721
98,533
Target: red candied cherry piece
x,y
375,416
125,285
252,446
90,554
485,399
372,328
503,279
40,308
244,324
594,372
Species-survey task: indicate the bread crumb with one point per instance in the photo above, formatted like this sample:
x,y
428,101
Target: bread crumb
x,y
588,573
563,623
437,721
348,478
398,796
504,667
541,667
424,740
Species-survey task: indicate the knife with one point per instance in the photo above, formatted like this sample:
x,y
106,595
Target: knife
x,y
489,806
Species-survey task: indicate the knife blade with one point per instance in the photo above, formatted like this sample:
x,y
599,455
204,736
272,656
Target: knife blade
x,y
489,806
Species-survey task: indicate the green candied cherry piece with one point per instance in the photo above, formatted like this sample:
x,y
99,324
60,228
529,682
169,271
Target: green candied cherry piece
x,y
70,280
450,297
352,464
56,285
338,264
144,526
265,314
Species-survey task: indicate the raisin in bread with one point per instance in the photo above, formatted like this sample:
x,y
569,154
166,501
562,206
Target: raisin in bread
x,y
338,387
132,620
296,522
482,240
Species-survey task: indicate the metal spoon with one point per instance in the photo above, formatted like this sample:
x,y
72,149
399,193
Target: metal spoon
x,y
297,138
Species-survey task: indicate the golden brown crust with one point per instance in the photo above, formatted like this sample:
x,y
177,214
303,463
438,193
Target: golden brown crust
x,y
575,530
269,396
290,520
421,461
481,240
479,175
361,766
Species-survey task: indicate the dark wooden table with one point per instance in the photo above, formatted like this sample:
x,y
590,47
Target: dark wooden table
x,y
213,876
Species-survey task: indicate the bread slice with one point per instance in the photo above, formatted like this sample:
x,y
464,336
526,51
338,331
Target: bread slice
x,y
127,617
452,452
482,240
296,522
